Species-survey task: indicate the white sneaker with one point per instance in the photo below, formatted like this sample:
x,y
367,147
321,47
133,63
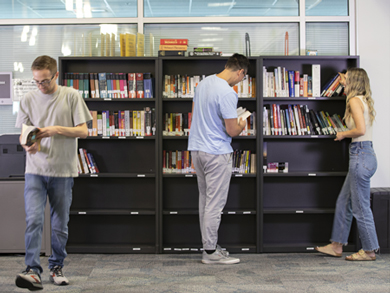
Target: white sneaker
x,y
29,279
219,257
57,277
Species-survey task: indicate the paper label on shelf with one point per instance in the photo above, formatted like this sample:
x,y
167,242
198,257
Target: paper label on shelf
x,y
309,248
173,213
238,175
312,174
134,213
82,213
314,136
185,249
94,175
140,175
136,248
167,248
245,249
299,212
122,137
194,249
177,249
246,212
231,213
139,137
107,99
105,137
189,175
311,98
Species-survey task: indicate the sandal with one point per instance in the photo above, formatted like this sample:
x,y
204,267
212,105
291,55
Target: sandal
x,y
361,255
328,249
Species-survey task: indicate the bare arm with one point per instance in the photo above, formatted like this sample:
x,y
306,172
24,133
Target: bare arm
x,y
357,110
234,127
80,130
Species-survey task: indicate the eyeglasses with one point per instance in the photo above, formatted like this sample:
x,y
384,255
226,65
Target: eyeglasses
x,y
44,82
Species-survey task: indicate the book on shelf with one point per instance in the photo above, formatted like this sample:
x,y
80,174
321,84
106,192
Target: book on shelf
x,y
203,49
164,53
265,154
242,113
86,162
140,45
139,77
277,167
29,135
204,54
174,42
173,47
177,162
243,161
290,119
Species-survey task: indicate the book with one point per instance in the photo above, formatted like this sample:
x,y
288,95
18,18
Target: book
x,y
203,49
316,79
172,48
204,54
174,42
242,113
140,85
29,135
163,53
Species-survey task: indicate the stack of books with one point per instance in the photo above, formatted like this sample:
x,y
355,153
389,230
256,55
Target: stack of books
x,y
173,47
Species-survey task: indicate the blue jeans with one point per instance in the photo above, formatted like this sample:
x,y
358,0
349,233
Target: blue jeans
x,y
354,198
37,189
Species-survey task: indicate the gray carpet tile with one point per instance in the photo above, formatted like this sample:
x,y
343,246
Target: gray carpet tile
x,y
169,273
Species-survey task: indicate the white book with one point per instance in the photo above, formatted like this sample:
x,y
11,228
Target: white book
x,y
316,80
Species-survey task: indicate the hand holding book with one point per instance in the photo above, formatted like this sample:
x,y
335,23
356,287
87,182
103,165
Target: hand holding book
x,y
29,138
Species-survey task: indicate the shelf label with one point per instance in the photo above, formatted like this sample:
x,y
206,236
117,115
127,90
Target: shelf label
x,y
105,137
107,99
245,249
311,98
299,212
136,248
238,175
185,249
140,175
121,137
134,213
139,137
232,213
189,175
314,136
94,175
167,248
173,213
177,249
82,213
246,213
312,174
194,249
309,248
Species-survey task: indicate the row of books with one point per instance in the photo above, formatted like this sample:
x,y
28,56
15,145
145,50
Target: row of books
x,y
180,162
333,87
123,123
132,45
111,85
183,86
86,162
289,83
177,162
177,124
173,47
299,120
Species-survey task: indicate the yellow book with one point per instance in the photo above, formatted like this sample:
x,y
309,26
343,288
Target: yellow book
x,y
140,44
108,44
122,44
102,44
112,48
173,48
130,45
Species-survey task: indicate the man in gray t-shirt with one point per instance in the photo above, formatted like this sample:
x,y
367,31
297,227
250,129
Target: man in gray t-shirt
x,y
61,116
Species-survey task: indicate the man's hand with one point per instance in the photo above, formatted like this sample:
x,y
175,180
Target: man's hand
x,y
47,131
33,149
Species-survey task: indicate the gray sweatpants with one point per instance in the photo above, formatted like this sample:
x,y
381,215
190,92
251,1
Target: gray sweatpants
x,y
213,174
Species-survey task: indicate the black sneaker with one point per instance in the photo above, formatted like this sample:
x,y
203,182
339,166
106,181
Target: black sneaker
x,y
29,279
57,277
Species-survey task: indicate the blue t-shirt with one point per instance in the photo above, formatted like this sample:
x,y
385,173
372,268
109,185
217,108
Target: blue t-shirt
x,y
214,101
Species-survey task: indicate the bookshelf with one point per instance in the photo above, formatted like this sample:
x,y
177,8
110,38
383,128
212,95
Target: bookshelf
x,y
132,206
179,218
298,207
116,210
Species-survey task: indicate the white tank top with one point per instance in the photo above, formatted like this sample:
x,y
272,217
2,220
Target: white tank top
x,y
351,123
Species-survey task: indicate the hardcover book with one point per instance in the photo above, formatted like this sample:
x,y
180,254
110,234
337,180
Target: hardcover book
x,y
29,134
165,53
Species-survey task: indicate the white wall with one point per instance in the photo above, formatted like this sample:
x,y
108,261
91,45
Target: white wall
x,y
373,46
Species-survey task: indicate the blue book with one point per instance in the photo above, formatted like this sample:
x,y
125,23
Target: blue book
x,y
291,83
148,87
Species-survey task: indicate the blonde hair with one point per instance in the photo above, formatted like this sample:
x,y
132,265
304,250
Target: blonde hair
x,y
358,84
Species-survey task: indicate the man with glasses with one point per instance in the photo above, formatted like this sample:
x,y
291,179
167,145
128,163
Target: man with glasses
x,y
214,123
61,115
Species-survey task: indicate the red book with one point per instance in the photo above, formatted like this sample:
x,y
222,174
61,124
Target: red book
x,y
174,42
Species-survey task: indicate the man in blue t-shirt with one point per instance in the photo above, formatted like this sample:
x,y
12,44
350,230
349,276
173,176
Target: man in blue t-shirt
x,y
214,123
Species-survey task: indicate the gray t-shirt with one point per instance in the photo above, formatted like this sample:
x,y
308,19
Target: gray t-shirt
x,y
58,154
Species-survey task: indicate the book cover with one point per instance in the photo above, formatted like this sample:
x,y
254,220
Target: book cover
x,y
29,135
132,85
316,79
174,42
171,53
140,85
103,85
297,80
148,89
172,48
204,54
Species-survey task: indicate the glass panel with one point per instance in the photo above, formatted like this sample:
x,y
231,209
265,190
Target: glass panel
x,y
170,8
328,38
10,9
25,43
326,7
265,38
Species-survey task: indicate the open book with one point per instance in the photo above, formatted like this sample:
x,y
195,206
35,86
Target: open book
x,y
29,134
243,113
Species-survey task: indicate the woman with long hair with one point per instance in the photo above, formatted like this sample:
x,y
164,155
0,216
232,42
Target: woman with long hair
x,y
354,197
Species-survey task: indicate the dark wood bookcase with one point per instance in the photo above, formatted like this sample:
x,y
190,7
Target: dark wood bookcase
x,y
116,210
297,207
179,217
131,206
